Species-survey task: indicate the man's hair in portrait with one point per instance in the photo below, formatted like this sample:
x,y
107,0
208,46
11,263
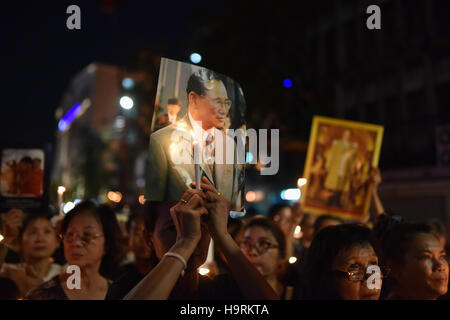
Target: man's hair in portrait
x,y
26,159
199,81
174,101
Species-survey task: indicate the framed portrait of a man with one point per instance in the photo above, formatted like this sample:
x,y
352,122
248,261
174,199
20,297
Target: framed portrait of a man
x,y
340,157
197,111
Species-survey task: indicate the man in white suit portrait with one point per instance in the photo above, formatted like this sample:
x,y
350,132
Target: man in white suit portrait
x,y
171,159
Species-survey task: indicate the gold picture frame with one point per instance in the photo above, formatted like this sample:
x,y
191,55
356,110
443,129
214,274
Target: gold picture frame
x,y
339,161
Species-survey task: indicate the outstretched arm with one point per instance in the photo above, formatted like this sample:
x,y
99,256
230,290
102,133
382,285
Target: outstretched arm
x,y
159,283
250,281
377,204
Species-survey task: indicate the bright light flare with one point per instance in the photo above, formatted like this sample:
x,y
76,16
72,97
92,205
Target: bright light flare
x,y
301,182
126,102
195,57
114,196
61,190
292,260
291,194
141,199
1,237
68,206
203,271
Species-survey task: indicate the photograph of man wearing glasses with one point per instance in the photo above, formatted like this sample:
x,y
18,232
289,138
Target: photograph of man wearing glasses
x,y
205,122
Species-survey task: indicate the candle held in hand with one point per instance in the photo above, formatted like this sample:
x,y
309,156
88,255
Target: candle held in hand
x,y
197,164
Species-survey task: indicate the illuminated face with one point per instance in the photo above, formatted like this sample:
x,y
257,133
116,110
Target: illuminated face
x,y
137,241
212,107
266,262
283,219
39,240
355,257
173,109
424,273
84,253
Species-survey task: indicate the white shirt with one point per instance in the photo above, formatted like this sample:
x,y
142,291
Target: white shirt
x,y
172,118
199,133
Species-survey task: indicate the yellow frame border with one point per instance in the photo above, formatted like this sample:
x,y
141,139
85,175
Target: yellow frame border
x,y
310,153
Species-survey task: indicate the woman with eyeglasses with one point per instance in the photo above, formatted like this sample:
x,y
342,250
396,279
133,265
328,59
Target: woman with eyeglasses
x,y
264,245
418,261
342,265
90,239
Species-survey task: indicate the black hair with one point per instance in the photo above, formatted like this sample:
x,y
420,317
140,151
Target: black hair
x,y
27,159
105,215
32,215
397,240
272,227
276,208
437,227
173,101
321,219
325,247
197,81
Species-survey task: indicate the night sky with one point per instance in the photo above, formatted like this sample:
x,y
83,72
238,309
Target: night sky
x,y
40,55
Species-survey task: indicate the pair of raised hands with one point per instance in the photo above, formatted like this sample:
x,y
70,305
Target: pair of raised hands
x,y
200,211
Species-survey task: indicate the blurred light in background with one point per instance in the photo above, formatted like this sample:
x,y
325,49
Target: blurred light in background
x,y
68,118
291,194
195,57
119,122
248,157
128,83
76,201
203,271
250,196
141,199
114,196
1,237
287,83
301,182
298,232
61,190
292,260
68,206
126,102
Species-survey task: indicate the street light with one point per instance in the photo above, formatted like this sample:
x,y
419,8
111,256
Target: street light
x,y
126,102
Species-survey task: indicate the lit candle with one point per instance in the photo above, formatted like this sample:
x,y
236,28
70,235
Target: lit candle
x,y
197,164
61,191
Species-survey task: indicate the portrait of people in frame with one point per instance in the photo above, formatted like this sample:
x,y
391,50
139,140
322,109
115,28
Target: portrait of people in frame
x,y
340,158
195,105
22,173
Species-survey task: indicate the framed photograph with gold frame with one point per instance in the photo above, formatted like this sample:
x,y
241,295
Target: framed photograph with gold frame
x,y
339,162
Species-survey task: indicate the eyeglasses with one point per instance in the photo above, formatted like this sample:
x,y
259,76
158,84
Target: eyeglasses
x,y
261,247
218,103
85,238
360,273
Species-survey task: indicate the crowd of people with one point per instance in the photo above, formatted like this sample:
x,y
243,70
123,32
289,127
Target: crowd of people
x,y
386,258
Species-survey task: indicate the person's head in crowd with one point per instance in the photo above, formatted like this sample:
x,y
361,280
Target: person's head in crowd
x,y
139,243
162,232
337,262
418,261
281,214
173,106
208,99
439,230
9,289
38,239
324,221
25,163
307,226
91,238
264,244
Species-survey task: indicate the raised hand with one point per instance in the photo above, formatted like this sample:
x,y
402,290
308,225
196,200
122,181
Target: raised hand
x,y
12,222
187,214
